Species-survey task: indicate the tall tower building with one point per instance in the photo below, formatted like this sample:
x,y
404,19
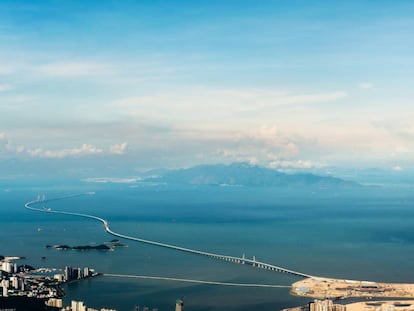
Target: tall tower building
x,y
5,291
68,273
85,272
15,282
5,284
7,266
78,306
179,305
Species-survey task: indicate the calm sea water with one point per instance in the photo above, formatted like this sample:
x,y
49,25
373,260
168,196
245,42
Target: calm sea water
x,y
361,234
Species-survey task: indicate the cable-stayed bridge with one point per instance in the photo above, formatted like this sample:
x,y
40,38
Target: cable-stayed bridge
x,y
239,260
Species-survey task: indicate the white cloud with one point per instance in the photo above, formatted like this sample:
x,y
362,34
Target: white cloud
x,y
118,148
262,146
85,149
295,164
73,69
272,137
41,152
366,85
275,158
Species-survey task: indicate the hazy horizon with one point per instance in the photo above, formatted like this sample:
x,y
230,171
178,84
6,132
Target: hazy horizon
x,y
298,85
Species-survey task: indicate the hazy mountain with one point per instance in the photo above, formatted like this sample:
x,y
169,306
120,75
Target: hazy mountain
x,y
243,174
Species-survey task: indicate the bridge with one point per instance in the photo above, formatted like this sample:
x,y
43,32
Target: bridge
x,y
161,278
238,260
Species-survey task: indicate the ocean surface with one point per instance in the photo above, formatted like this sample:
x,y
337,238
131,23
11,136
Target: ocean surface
x,y
365,233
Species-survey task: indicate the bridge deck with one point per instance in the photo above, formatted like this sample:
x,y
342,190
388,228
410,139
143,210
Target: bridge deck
x,y
241,260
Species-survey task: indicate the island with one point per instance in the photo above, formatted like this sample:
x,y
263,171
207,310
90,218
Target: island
x,y
106,246
328,288
101,247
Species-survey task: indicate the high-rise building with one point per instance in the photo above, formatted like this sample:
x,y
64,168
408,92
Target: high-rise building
x,y
68,273
5,291
179,304
75,273
59,277
14,282
85,272
7,267
78,306
54,302
5,284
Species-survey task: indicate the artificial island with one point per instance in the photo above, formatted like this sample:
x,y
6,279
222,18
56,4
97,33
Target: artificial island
x,y
327,291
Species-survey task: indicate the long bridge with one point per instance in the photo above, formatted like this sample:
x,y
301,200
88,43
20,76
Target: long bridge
x,y
239,260
162,278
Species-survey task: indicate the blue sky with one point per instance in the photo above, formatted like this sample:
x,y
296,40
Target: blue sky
x,y
285,84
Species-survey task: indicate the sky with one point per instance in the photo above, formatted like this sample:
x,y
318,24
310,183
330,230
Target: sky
x,y
292,84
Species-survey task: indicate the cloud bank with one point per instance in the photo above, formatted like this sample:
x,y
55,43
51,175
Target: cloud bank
x,y
83,150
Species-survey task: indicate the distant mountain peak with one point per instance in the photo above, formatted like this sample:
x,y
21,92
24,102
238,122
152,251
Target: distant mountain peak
x,y
246,174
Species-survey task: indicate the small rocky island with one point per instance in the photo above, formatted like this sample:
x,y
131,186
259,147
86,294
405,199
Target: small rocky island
x,y
106,246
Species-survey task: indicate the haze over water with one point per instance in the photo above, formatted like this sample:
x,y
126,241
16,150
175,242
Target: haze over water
x,y
355,234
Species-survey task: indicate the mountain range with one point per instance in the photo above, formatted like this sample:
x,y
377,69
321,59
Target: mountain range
x,y
244,174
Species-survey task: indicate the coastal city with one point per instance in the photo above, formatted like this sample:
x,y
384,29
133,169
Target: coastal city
x,y
22,286
41,288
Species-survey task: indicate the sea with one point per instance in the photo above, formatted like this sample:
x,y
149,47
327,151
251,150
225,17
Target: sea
x,y
366,233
